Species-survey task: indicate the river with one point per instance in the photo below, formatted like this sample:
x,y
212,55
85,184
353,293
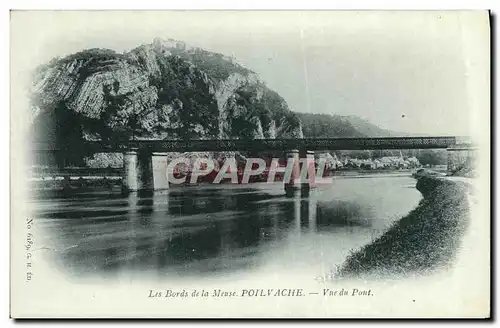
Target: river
x,y
208,231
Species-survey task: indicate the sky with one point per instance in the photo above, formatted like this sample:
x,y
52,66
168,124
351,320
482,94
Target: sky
x,y
411,72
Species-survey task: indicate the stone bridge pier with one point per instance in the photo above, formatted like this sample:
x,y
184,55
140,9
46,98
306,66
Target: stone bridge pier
x,y
144,171
301,176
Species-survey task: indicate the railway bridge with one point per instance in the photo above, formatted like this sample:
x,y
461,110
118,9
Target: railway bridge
x,y
145,161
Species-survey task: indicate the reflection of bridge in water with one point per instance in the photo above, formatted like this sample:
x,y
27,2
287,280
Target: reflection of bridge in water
x,y
145,161
210,229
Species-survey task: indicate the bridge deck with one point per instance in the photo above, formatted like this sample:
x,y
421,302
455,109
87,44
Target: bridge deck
x,y
260,144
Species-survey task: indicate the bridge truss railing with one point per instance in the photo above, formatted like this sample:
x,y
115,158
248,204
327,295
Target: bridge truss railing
x,y
258,145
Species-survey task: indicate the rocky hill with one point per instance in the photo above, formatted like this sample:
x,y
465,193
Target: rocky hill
x,y
160,90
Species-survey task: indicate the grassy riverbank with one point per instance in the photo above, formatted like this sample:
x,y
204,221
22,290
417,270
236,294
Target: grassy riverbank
x,y
424,240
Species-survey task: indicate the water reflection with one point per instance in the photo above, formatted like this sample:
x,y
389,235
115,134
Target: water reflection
x,y
188,231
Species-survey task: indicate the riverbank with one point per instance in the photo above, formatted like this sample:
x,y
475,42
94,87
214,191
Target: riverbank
x,y
426,239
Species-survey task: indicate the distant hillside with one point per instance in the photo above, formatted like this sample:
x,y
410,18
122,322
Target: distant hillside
x,y
367,128
372,130
337,126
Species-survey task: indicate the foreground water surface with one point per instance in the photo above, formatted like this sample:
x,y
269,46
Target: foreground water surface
x,y
218,230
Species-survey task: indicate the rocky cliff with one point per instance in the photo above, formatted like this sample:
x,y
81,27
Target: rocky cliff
x,y
161,90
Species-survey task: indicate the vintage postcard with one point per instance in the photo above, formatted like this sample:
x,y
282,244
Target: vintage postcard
x,y
250,164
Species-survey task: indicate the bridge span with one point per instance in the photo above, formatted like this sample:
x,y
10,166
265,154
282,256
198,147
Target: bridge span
x,y
257,144
145,161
